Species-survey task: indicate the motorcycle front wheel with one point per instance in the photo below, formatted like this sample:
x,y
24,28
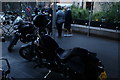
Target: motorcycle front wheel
x,y
13,42
10,47
26,53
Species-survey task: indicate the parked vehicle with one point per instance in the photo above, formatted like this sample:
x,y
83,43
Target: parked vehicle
x,y
24,32
74,64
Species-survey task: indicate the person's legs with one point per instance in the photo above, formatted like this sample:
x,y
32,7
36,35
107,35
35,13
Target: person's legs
x,y
57,25
50,29
69,30
59,28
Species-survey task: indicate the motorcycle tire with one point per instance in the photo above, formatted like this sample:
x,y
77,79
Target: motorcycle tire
x,y
26,53
13,42
10,47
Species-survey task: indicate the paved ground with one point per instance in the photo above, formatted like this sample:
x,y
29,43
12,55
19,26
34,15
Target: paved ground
x,y
107,51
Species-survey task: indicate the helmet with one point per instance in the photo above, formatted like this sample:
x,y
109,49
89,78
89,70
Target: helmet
x,y
40,20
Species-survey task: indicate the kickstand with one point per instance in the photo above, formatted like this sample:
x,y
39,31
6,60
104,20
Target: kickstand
x,y
47,74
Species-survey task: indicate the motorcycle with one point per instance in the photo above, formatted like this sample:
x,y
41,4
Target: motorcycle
x,y
51,56
23,32
74,64
4,73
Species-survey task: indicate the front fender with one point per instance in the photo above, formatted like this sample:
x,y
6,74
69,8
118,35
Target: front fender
x,y
27,45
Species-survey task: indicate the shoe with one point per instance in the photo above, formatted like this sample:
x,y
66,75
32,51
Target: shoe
x,y
65,35
69,35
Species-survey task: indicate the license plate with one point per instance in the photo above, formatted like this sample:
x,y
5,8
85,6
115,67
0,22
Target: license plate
x,y
103,76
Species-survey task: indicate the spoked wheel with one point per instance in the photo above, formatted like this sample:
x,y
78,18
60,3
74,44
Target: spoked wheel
x,y
26,53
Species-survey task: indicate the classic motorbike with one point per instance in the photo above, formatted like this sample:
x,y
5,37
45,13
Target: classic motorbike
x,y
4,73
23,32
74,64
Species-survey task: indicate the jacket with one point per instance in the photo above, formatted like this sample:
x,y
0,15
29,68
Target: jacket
x,y
60,17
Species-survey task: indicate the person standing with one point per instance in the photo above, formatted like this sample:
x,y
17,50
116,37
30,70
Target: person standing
x,y
50,13
28,12
36,10
60,19
68,21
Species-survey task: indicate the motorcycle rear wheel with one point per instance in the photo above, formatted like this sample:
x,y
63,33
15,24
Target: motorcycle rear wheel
x,y
26,53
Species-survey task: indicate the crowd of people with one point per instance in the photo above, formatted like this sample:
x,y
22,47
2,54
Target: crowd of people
x,y
63,18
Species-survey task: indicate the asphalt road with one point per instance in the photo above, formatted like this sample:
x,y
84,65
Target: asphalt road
x,y
107,51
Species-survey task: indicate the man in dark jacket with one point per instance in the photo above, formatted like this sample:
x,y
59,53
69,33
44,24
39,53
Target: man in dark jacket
x,y
60,19
68,21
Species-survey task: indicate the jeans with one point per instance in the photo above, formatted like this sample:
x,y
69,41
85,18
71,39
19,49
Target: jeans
x,y
59,28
